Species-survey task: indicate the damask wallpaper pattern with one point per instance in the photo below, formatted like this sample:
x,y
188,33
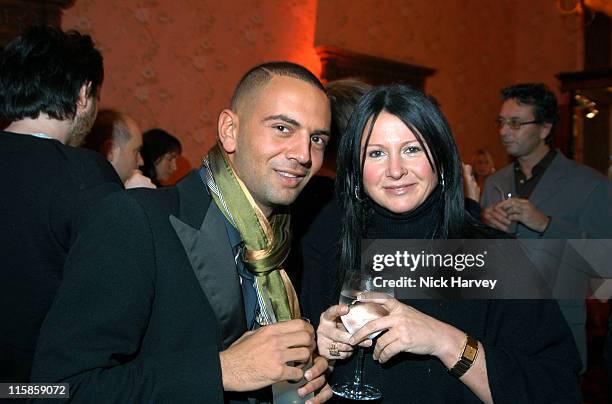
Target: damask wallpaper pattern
x,y
173,64
476,46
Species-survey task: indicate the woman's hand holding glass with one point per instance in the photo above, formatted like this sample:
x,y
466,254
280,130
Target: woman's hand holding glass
x,y
409,330
332,336
359,313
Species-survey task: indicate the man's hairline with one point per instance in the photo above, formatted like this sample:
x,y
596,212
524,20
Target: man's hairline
x,y
533,110
258,89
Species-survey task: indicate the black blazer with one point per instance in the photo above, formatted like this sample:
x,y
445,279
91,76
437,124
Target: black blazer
x,y
47,188
150,297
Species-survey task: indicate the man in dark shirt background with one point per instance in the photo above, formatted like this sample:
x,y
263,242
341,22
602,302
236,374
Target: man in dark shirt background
x,y
49,84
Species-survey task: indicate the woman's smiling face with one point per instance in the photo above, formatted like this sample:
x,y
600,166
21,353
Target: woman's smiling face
x,y
396,172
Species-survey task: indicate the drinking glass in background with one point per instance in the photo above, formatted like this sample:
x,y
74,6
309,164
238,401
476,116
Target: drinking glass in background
x,y
503,196
285,392
360,313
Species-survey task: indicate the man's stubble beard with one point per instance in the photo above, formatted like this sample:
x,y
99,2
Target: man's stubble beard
x,y
81,127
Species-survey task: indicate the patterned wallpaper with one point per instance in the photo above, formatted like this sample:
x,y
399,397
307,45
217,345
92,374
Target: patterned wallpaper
x,y
476,46
173,63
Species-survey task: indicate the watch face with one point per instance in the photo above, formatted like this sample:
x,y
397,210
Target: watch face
x,y
470,352
468,356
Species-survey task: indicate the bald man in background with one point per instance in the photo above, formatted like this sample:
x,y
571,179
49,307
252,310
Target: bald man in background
x,y
118,137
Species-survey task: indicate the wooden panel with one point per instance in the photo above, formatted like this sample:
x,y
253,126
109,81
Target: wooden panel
x,y
15,15
599,78
588,140
338,63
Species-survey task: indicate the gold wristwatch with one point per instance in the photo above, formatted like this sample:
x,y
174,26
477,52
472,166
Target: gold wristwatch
x,y
468,357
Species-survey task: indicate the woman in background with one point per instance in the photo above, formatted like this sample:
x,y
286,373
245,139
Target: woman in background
x,y
482,166
159,153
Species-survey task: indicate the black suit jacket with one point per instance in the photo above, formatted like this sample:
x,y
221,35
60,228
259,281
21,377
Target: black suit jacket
x,y
150,297
47,188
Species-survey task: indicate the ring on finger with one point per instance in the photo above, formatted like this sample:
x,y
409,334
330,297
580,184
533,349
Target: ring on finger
x,y
333,350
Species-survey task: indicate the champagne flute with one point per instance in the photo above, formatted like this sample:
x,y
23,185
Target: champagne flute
x,y
360,313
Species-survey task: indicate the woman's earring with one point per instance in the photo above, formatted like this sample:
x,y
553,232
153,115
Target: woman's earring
x,y
358,193
442,179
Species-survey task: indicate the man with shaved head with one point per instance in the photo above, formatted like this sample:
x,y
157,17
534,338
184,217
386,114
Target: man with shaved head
x,y
179,294
118,137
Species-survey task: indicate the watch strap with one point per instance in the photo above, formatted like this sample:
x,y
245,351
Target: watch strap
x,y
468,357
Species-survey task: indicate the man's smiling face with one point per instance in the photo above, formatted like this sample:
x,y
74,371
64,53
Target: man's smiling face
x,y
280,140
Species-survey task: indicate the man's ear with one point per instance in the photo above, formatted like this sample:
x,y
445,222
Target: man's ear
x,y
110,150
228,130
545,132
83,100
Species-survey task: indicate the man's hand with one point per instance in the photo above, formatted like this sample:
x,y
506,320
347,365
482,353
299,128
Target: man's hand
x,y
316,380
138,180
259,358
496,217
525,212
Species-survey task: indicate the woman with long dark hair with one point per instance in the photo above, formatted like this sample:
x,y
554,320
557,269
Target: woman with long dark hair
x,y
400,177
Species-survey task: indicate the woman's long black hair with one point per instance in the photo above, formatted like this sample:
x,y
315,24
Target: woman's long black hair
x,y
421,114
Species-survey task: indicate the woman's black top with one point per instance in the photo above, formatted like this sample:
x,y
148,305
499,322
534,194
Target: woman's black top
x,y
530,353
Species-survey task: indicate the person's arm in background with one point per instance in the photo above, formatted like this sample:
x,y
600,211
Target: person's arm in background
x,y
470,186
139,180
472,192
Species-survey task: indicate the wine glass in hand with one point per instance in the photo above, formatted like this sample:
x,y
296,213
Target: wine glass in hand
x,y
360,313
